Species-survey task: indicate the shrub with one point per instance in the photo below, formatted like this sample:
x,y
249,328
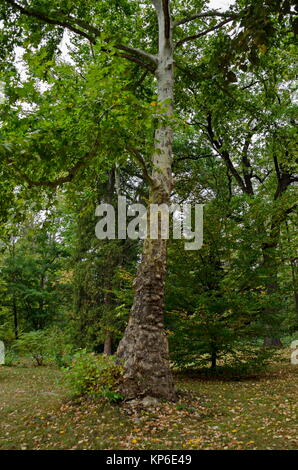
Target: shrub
x,y
94,375
7,334
11,358
58,347
217,337
51,344
34,344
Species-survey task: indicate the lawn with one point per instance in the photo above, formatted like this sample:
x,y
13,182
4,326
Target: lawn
x,y
257,412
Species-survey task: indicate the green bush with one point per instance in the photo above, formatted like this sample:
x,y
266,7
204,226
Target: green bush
x,y
7,334
58,347
35,344
94,375
49,344
216,336
11,358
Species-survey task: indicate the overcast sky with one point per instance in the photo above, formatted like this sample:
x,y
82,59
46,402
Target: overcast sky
x,y
220,4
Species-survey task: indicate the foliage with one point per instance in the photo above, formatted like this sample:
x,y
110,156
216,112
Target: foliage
x,y
35,344
33,290
68,120
58,346
94,375
96,283
6,332
48,344
11,357
219,339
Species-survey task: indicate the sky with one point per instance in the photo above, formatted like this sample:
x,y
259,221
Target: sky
x,y
220,4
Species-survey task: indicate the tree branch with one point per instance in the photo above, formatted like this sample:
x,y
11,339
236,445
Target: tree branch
x,y
203,33
208,14
145,55
247,169
167,19
276,166
40,16
139,157
85,25
194,157
249,85
217,145
192,75
63,179
291,209
136,60
261,180
91,35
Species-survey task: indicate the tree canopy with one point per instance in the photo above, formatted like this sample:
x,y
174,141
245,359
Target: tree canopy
x,y
161,101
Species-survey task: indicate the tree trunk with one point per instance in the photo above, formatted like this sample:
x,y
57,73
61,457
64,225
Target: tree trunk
x,y
270,265
273,342
144,347
15,317
14,300
269,255
107,349
213,359
295,287
108,296
293,264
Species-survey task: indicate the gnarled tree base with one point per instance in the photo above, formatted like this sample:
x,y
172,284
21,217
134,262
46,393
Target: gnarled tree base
x,y
144,350
144,346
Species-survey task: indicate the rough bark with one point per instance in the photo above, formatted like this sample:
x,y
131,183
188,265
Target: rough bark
x,y
144,347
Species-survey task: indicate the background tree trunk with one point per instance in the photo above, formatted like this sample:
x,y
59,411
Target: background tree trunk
x,y
107,349
15,317
271,269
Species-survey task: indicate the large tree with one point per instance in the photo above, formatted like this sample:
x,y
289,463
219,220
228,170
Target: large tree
x,y
155,46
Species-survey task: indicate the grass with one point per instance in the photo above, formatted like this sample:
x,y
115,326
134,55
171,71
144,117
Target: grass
x,y
254,413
